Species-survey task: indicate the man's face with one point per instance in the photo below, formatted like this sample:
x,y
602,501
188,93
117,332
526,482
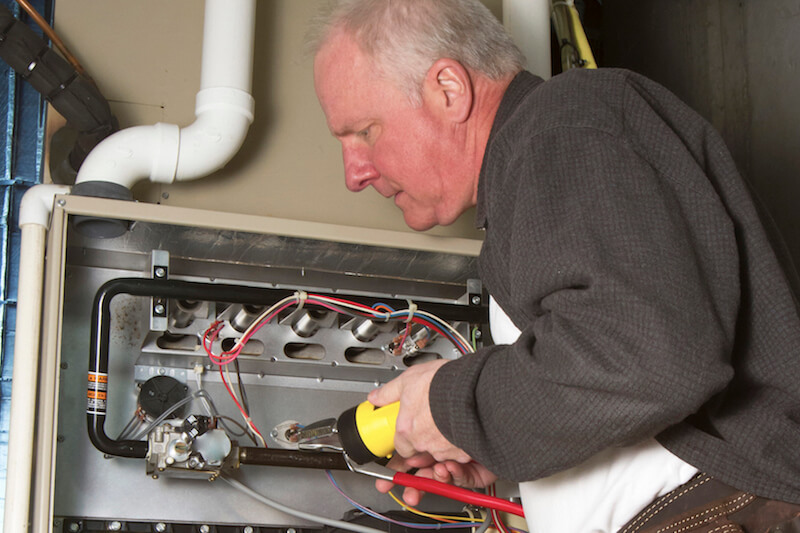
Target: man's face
x,y
388,143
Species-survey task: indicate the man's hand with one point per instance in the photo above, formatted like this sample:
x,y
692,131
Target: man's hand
x,y
418,442
416,432
469,475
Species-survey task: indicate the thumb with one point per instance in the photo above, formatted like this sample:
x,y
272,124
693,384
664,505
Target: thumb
x,y
388,393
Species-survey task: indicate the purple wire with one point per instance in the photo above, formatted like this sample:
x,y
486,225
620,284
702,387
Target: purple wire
x,y
370,512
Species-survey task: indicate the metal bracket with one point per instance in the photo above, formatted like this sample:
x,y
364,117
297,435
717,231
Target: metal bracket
x,y
159,269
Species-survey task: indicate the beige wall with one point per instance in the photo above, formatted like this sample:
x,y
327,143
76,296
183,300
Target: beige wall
x,y
145,57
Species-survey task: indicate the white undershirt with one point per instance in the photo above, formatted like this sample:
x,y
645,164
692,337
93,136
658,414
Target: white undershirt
x,y
602,494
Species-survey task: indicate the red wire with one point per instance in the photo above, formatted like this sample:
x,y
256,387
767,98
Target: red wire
x,y
435,328
365,308
498,521
457,493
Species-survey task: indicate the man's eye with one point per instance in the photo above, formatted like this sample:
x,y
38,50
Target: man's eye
x,y
364,133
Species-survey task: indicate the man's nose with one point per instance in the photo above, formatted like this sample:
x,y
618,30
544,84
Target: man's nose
x,y
359,172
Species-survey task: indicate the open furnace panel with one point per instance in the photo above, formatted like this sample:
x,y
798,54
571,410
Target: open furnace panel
x,y
144,443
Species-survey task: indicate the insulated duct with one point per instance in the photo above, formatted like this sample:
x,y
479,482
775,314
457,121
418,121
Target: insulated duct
x,y
70,93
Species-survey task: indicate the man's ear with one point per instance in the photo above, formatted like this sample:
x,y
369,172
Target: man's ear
x,y
448,89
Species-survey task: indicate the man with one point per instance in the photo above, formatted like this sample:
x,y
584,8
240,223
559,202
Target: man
x,y
647,341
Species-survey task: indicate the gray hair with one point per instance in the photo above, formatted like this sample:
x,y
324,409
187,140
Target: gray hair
x,y
405,37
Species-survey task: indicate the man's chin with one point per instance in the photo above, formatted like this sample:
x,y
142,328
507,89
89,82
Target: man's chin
x,y
417,224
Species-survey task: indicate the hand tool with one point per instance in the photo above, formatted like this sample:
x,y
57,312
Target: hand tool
x,y
364,434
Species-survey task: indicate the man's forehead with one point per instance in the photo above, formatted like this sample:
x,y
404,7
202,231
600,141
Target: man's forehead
x,y
343,77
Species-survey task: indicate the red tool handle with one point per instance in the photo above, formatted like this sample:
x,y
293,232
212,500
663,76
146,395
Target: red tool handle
x,y
457,493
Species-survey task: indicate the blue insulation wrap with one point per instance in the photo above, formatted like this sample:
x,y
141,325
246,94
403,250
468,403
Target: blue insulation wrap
x,y
22,153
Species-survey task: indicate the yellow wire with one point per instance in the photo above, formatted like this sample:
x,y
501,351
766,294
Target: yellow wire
x,y
442,518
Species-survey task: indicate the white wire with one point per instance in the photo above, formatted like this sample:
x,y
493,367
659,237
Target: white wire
x,y
376,314
261,317
450,328
295,512
246,418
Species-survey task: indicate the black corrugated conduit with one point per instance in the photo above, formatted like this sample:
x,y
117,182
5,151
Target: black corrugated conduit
x,y
72,94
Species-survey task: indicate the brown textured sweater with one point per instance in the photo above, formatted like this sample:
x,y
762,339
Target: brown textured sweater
x,y
622,241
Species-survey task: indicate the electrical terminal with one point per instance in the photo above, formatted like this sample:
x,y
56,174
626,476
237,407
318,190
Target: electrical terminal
x,y
409,342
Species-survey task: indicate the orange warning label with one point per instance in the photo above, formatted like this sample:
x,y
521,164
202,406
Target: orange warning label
x,y
96,395
98,381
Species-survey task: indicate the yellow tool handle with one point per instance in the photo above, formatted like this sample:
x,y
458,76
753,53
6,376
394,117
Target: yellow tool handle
x,y
377,426
367,432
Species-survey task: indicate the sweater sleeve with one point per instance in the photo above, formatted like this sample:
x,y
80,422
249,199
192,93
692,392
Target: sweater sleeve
x,y
622,274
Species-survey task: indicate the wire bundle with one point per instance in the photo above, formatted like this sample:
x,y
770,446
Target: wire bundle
x,y
379,312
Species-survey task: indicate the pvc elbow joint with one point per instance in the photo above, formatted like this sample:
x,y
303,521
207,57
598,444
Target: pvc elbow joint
x,y
165,153
36,205
223,117
133,154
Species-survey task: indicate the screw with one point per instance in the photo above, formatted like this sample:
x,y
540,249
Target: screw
x,y
62,203
476,300
205,528
116,525
159,309
64,366
161,527
74,527
160,272
478,334
60,438
291,530
274,433
248,529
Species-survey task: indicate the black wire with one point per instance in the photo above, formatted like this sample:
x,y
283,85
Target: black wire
x,y
224,419
242,393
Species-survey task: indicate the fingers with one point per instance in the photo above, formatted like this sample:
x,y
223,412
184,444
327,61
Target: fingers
x,y
383,485
412,497
458,474
386,394
451,453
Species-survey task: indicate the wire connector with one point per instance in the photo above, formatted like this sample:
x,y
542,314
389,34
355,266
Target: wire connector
x,y
301,296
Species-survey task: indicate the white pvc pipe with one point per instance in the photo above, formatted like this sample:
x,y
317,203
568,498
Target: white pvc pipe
x,y
528,23
34,220
224,110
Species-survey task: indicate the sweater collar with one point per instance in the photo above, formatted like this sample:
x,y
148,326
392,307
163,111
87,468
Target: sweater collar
x,y
520,86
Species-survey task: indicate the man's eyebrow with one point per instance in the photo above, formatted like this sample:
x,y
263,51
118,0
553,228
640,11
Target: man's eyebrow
x,y
349,129
343,131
